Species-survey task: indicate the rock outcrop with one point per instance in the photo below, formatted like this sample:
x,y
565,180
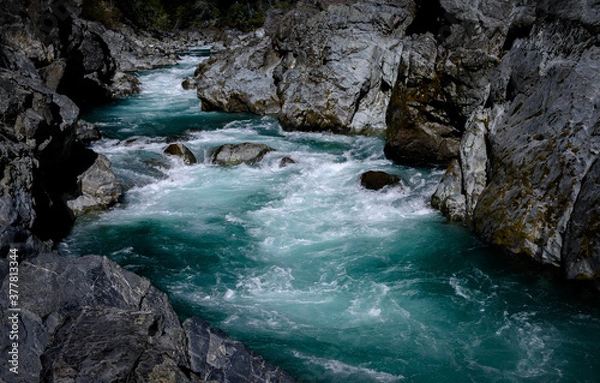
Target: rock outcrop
x,y
323,66
247,153
94,321
528,159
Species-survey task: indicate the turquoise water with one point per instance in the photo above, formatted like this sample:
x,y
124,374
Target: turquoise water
x,y
330,281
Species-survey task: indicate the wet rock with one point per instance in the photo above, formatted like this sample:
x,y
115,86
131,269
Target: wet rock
x,y
98,186
246,153
180,150
189,83
217,358
376,180
285,161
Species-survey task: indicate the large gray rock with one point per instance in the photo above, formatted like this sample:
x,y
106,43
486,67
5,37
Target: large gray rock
x,y
180,150
86,306
88,320
244,81
324,65
247,153
215,357
98,188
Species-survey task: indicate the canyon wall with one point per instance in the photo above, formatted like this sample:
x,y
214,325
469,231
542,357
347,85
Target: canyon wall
x,y
503,93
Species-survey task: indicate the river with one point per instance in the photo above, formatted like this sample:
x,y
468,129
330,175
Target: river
x,y
330,281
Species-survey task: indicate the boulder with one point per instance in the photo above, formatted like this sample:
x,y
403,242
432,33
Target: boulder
x,y
285,161
87,319
320,67
180,150
217,358
376,180
246,153
98,186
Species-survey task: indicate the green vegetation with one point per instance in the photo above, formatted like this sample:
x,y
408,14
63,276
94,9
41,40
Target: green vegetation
x,y
180,14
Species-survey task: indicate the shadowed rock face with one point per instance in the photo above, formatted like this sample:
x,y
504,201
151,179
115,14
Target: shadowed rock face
x,y
445,73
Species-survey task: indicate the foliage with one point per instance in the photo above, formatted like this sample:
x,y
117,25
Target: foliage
x,y
102,11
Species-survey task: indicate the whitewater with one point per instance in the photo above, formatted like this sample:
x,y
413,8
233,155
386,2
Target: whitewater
x,y
328,280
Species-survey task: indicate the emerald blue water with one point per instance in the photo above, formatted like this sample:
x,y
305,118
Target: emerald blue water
x,y
328,280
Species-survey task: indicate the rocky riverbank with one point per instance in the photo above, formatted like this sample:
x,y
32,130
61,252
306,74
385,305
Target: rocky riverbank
x,y
505,93
83,319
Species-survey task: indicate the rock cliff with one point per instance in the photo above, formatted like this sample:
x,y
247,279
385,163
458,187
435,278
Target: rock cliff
x,y
528,159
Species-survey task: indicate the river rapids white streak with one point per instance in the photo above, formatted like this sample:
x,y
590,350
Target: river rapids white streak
x,y
330,281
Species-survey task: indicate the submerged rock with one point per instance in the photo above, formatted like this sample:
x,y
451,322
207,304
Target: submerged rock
x,y
246,153
180,150
376,180
285,161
